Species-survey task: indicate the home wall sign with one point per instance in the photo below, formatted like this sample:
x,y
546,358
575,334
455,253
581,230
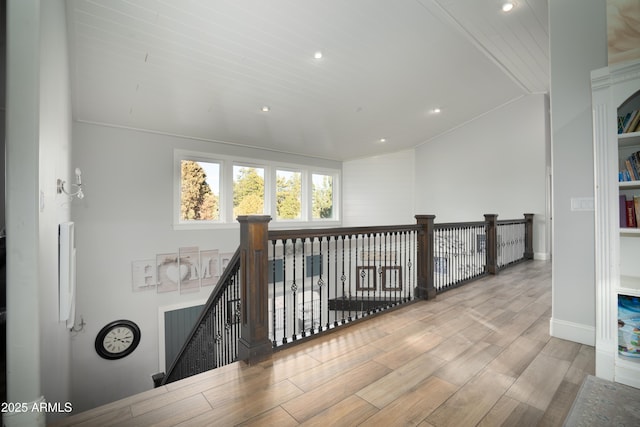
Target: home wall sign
x,y
186,270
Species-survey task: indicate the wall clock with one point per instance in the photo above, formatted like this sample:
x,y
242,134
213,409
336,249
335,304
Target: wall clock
x,y
117,339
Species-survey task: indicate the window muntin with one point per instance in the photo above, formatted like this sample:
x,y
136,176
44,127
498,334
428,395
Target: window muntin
x,y
199,190
288,195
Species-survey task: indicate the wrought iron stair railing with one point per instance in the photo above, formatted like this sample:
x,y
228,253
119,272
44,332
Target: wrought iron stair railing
x,y
213,341
283,286
322,279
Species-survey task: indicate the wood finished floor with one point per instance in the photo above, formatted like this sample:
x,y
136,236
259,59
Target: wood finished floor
x,y
477,355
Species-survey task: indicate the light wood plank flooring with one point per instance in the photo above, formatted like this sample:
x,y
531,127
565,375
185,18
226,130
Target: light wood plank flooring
x,y
477,355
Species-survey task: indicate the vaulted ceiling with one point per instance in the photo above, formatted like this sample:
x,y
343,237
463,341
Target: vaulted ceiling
x,y
207,68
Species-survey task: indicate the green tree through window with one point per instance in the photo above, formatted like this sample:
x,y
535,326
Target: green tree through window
x,y
197,201
322,194
248,190
288,194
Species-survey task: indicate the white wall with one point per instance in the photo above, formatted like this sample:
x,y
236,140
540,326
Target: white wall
x,y
3,81
23,346
379,190
578,44
38,151
127,216
55,155
494,164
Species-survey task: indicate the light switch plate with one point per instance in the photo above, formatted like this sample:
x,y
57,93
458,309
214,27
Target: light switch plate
x,y
582,204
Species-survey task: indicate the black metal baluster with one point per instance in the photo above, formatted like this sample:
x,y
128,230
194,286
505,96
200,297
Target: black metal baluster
x,y
303,329
436,258
236,296
361,275
351,270
343,278
285,293
320,283
274,314
396,254
459,248
504,240
498,240
294,288
324,282
413,252
378,296
335,279
227,326
356,275
220,334
404,235
458,256
373,258
467,253
385,272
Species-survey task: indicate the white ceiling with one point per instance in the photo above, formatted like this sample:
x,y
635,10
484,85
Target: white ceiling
x,y
205,68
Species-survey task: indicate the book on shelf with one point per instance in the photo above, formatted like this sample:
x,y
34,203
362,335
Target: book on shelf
x,y
634,123
631,210
631,171
629,122
636,208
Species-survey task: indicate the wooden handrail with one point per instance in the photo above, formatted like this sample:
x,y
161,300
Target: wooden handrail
x,y
251,260
338,231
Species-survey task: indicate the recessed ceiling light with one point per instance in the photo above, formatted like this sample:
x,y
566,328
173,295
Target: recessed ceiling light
x,y
507,6
437,110
317,55
382,140
265,109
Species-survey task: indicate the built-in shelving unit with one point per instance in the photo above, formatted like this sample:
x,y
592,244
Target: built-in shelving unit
x,y
615,92
629,185
630,285
628,139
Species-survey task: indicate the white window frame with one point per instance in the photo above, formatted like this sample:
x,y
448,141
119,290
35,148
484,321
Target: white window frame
x,y
267,183
178,222
336,195
274,200
225,198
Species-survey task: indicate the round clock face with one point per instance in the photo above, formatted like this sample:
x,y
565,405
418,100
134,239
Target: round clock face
x,y
117,339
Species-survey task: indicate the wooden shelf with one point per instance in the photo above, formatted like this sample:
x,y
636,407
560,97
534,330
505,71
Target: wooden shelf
x,y
628,370
630,231
628,139
629,285
629,185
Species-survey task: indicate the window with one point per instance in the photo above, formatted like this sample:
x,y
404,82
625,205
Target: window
x,y
248,190
199,191
288,195
212,191
322,196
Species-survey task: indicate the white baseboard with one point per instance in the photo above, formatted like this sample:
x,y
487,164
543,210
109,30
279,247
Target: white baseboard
x,y
541,256
605,365
576,332
25,416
